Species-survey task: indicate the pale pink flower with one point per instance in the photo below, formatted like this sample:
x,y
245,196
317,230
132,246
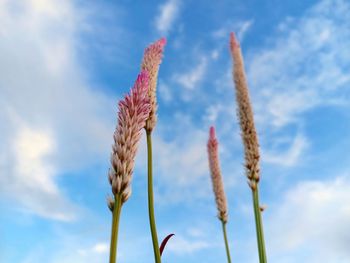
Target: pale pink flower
x,y
133,112
215,172
151,61
245,113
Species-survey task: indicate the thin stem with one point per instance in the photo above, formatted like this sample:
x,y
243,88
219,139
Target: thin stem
x,y
115,227
226,242
259,227
150,200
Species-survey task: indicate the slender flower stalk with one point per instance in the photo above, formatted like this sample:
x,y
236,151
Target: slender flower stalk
x,y
249,137
133,112
151,61
218,185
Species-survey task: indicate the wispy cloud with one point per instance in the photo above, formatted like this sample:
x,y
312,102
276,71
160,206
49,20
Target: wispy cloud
x,y
221,34
99,248
32,181
318,219
181,167
304,67
51,112
94,253
167,15
181,245
289,157
165,92
191,79
240,28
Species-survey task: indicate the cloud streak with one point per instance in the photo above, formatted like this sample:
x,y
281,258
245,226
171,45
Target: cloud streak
x,y
304,67
289,157
55,121
317,218
190,80
168,13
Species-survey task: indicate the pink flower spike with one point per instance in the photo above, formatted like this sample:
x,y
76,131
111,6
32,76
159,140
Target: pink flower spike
x,y
233,41
212,133
215,172
133,112
212,141
150,62
162,42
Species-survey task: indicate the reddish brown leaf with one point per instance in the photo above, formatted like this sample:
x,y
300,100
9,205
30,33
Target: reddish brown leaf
x,y
164,242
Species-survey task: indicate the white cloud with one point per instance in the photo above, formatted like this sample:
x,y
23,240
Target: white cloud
x,y
54,121
180,163
30,149
182,167
215,54
213,111
284,107
289,157
218,112
191,79
32,181
314,218
243,28
240,28
180,245
96,253
100,248
165,92
168,13
304,67
86,245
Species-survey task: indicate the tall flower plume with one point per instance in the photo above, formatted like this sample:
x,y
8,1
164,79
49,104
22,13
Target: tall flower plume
x,y
151,60
214,166
250,140
245,114
134,110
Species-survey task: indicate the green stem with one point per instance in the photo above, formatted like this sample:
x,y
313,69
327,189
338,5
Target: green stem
x,y
115,227
150,200
259,226
226,242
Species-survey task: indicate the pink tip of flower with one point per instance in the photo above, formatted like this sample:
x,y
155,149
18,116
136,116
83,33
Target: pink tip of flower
x,y
212,133
233,41
140,88
162,41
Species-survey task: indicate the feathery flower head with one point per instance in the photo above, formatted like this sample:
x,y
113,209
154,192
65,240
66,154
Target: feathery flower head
x,y
151,60
133,112
245,113
218,185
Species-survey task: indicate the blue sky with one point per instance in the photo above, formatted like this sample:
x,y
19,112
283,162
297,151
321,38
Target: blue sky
x,y
65,64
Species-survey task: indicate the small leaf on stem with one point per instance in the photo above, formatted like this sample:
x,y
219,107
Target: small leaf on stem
x,y
164,242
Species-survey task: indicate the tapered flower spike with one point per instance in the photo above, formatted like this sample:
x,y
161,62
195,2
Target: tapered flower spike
x,y
245,114
134,110
151,60
215,172
250,139
218,185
